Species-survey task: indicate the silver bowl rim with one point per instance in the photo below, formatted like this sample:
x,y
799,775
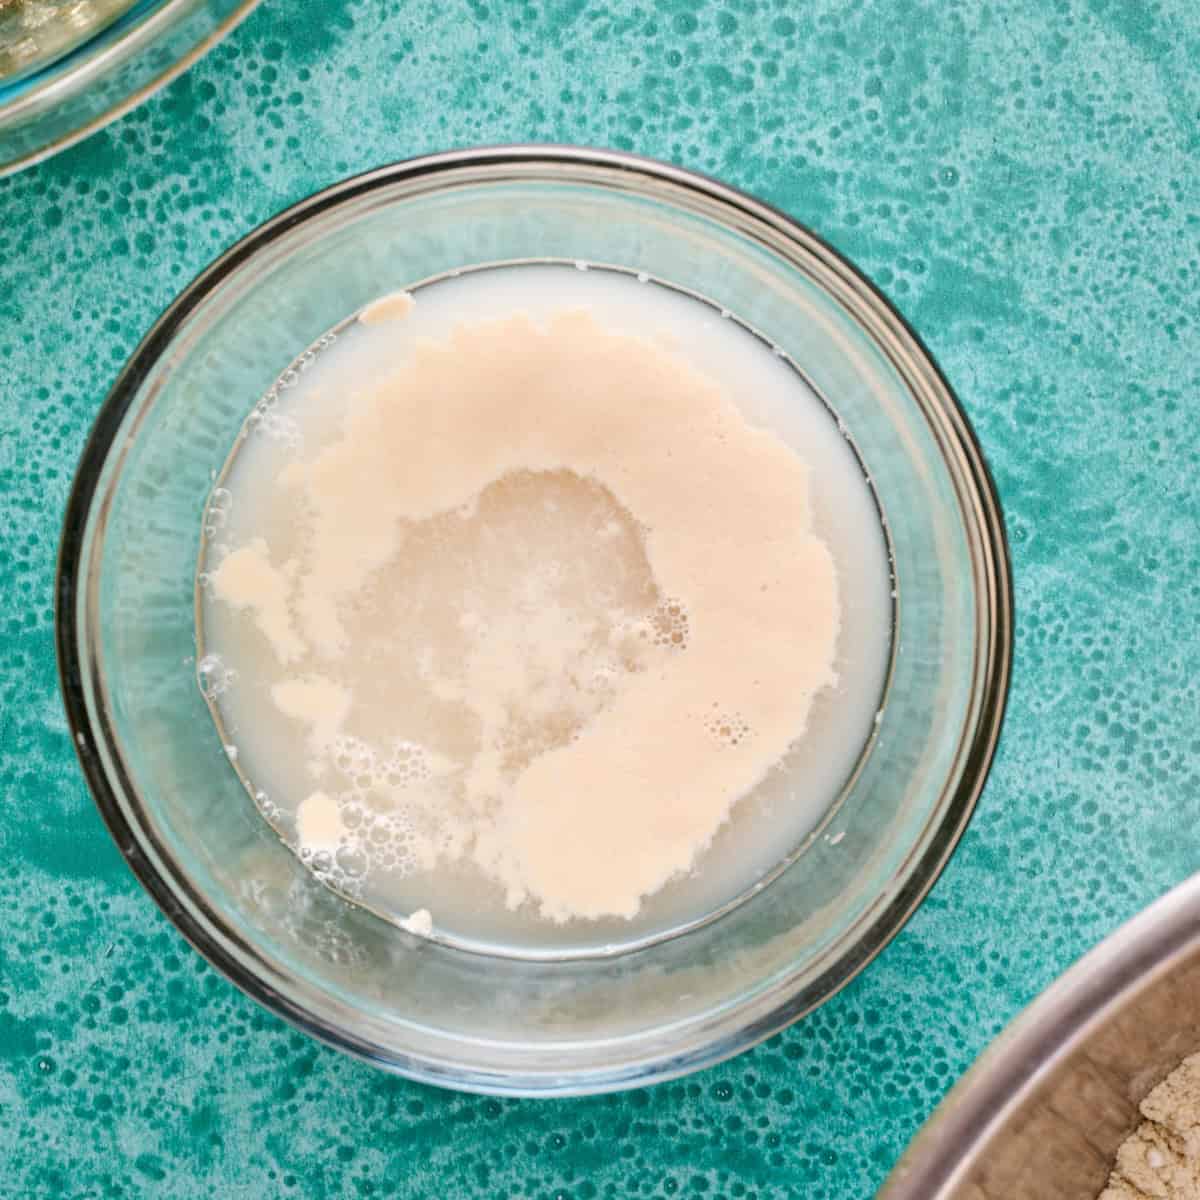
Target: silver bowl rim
x,y
210,935
1042,1039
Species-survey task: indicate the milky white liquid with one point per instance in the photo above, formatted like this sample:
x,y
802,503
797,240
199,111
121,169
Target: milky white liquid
x,y
766,826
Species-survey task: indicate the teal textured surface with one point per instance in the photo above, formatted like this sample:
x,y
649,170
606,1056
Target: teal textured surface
x,y
1022,179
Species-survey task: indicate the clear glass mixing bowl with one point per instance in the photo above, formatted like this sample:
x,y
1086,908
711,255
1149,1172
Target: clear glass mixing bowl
x,y
154,760
93,61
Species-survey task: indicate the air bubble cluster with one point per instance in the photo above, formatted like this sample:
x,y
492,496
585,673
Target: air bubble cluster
x,y
266,419
669,624
214,676
220,502
731,729
391,821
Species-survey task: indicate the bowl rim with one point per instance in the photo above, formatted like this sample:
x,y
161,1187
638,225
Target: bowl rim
x,y
99,57
194,917
1042,1038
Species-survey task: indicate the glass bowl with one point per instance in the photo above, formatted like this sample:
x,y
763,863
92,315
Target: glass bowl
x,y
75,83
153,757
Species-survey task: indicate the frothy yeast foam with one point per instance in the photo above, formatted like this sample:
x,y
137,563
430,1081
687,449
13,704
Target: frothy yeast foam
x,y
596,732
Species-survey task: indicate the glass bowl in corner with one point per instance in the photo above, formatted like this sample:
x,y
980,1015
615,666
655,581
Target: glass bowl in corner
x,y
69,67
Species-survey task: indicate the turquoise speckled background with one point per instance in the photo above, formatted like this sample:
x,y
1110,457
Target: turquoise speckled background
x,y
1021,177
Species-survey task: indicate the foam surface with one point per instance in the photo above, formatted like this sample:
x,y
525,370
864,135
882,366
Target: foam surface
x,y
541,662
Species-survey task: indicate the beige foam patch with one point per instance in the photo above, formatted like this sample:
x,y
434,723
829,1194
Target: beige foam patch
x,y
668,718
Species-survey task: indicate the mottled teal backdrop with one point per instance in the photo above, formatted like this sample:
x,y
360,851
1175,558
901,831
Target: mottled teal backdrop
x,y
1022,179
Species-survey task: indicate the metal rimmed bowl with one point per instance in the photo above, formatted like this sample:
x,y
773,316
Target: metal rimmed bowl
x,y
1042,1113
77,82
126,630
